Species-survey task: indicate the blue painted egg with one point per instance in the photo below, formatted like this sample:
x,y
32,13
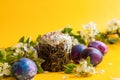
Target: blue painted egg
x,y
76,51
24,69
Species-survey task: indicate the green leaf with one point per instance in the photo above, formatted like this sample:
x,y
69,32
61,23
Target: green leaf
x,y
40,60
67,30
112,41
38,38
40,70
38,63
32,43
88,61
71,65
69,68
28,40
2,55
11,59
80,40
22,39
68,71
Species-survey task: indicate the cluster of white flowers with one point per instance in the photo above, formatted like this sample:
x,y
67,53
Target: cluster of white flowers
x,y
24,49
74,41
113,25
5,69
90,31
84,69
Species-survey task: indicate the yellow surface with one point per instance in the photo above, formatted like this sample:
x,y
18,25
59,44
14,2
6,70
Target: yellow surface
x,y
32,17
110,65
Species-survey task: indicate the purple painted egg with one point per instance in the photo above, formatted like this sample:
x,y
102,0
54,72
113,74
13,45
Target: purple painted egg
x,y
76,51
100,46
94,54
24,69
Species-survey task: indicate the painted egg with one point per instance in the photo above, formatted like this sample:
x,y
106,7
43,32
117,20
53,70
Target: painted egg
x,y
94,54
100,46
24,69
76,51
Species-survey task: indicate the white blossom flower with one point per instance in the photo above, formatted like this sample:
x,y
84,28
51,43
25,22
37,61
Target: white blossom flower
x,y
4,69
17,50
90,31
15,54
24,50
113,25
5,66
91,26
25,47
90,70
82,34
19,45
85,69
7,72
74,41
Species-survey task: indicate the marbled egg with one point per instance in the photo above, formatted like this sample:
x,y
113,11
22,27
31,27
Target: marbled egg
x,y
24,69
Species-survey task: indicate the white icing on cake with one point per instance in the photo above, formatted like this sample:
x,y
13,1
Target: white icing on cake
x,y
56,38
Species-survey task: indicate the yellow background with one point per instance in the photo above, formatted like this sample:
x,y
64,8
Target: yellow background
x,y
32,17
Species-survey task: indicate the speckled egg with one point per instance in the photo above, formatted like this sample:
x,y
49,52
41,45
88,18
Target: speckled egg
x,y
24,69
